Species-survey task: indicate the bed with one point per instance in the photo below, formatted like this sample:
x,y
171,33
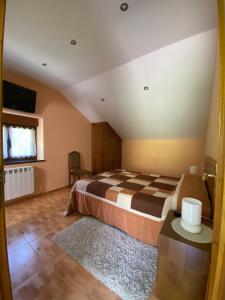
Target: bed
x,y
133,202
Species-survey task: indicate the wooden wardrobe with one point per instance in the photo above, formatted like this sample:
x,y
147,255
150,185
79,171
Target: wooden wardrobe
x,y
106,148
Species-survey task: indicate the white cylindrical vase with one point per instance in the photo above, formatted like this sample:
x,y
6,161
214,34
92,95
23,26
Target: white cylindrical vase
x,y
193,170
191,214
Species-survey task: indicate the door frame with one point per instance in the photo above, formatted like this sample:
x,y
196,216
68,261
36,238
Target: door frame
x,y
216,287
5,284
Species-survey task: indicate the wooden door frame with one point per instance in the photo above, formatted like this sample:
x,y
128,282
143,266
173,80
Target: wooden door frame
x,y
5,284
216,289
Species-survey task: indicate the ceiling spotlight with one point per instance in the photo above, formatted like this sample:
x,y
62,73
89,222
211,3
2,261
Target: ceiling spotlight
x,y
146,88
44,64
102,99
73,42
124,7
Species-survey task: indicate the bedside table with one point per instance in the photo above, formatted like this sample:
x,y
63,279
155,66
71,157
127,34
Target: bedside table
x,y
183,266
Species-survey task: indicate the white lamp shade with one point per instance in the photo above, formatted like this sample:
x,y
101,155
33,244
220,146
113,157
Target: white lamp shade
x,y
191,214
193,170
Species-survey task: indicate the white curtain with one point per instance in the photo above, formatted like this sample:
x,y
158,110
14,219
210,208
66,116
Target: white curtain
x,y
5,141
23,142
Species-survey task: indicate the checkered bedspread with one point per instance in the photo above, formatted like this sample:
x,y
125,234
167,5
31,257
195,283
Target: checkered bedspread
x,y
146,194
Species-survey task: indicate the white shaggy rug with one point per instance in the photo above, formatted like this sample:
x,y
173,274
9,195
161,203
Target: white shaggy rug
x,y
120,262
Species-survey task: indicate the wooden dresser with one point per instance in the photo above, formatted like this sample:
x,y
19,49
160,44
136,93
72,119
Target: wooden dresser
x,y
183,265
106,148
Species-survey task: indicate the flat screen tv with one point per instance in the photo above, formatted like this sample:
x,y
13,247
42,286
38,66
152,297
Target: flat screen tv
x,y
18,97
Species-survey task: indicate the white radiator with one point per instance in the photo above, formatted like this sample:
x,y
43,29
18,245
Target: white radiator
x,y
18,182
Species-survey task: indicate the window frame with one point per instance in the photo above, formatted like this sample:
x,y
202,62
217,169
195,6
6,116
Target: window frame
x,y
11,160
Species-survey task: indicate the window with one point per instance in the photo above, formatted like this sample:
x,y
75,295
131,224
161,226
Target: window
x,y
19,140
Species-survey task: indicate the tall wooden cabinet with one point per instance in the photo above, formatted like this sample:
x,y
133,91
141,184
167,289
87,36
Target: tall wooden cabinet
x,y
106,148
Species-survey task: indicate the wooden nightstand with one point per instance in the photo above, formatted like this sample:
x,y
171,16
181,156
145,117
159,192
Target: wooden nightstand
x,y
183,265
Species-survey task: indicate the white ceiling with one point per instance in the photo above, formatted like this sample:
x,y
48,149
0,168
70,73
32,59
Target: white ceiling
x,y
168,45
176,105
40,31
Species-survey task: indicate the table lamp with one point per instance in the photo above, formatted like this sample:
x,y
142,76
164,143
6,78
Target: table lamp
x,y
191,214
193,170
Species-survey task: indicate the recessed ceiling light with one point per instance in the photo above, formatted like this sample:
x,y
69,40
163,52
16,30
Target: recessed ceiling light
x,y
146,88
44,64
124,7
73,42
102,99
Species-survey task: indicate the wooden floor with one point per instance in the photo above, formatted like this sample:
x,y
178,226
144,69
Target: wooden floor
x,y
40,269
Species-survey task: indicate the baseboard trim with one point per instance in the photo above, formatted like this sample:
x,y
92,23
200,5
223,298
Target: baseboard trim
x,y
28,197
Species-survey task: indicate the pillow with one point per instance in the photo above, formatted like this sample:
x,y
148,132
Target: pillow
x,y
193,186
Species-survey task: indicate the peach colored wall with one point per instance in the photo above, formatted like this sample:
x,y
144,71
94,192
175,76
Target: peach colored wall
x,y
167,157
65,130
212,137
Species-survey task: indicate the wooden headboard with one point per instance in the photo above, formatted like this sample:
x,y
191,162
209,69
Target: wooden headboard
x,y
209,177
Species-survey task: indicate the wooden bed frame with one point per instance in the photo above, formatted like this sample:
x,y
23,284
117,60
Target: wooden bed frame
x,y
209,176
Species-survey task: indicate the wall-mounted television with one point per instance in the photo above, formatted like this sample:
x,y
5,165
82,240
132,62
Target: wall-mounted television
x,y
18,97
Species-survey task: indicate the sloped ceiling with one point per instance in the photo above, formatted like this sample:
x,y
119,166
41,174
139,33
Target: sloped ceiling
x,y
176,105
167,45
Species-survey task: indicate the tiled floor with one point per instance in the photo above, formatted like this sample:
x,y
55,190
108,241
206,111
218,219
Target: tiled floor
x,y
40,269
